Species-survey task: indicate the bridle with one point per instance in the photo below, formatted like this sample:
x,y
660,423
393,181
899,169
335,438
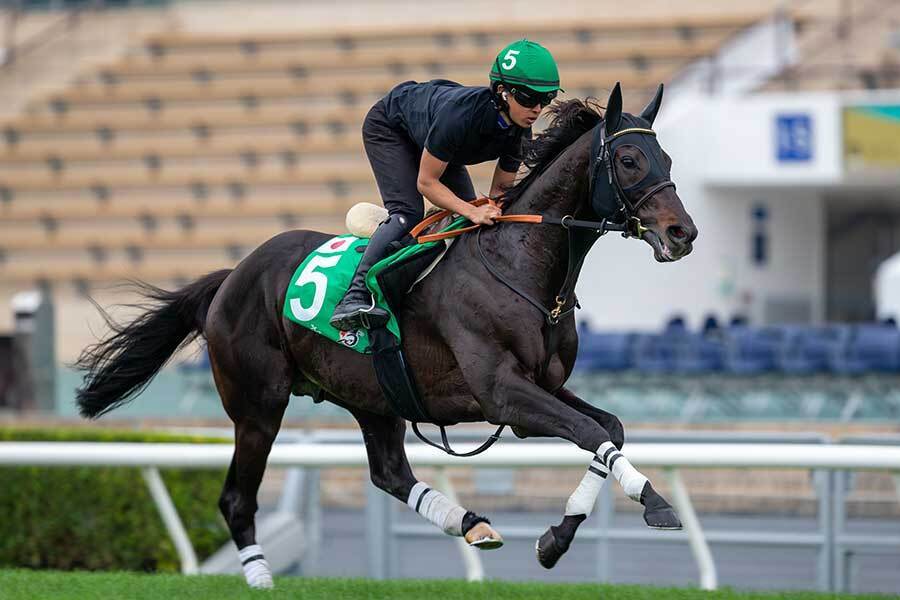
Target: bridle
x,y
602,155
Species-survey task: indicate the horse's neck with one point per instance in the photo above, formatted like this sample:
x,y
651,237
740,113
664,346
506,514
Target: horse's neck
x,y
561,189
537,254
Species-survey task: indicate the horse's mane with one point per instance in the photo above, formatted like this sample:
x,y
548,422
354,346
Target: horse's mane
x,y
568,121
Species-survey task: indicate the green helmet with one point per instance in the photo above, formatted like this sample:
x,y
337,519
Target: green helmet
x,y
528,64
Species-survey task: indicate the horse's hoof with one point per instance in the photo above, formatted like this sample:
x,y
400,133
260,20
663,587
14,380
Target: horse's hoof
x,y
548,550
261,582
658,514
664,518
484,537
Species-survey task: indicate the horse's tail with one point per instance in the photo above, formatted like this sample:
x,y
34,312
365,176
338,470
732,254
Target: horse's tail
x,y
121,366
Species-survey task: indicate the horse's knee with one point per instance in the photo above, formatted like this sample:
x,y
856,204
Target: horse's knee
x,y
616,431
590,435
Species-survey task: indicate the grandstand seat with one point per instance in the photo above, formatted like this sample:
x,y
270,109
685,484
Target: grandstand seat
x,y
656,353
871,347
699,354
806,349
752,351
710,325
604,351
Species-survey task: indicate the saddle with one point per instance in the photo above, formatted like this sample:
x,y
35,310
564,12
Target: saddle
x,y
322,278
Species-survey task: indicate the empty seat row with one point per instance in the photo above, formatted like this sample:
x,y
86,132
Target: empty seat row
x,y
298,61
836,348
488,32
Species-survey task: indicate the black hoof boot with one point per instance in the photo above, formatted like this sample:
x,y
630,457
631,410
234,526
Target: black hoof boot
x,y
555,542
658,514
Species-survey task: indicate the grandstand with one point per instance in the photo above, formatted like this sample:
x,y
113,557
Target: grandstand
x,y
165,142
185,148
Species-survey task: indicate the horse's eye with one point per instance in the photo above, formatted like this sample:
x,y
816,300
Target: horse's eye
x,y
628,162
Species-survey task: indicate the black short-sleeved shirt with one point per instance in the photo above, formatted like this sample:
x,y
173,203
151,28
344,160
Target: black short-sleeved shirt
x,y
457,124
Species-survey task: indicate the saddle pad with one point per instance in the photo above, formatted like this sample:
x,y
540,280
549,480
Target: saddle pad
x,y
322,279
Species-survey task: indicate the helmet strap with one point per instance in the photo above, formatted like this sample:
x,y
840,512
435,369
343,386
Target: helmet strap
x,y
502,105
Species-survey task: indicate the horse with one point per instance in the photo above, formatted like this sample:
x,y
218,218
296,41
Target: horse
x,y
478,337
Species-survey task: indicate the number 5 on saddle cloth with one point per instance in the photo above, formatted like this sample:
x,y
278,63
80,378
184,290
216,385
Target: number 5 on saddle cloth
x,y
320,282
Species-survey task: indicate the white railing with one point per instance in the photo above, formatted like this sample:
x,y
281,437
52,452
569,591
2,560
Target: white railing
x,y
829,459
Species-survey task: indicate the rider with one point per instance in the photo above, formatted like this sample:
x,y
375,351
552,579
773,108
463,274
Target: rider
x,y
420,136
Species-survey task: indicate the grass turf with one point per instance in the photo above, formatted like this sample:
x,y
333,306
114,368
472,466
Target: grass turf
x,y
55,585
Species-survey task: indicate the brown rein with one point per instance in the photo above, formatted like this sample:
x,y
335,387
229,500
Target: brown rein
x,y
434,237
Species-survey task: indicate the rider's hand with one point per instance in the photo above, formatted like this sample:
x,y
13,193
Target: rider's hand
x,y
483,215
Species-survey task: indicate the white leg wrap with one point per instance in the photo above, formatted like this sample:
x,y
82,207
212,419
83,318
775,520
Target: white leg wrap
x,y
435,507
583,499
256,568
630,478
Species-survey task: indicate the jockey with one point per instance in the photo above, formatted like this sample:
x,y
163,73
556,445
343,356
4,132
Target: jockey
x,y
420,136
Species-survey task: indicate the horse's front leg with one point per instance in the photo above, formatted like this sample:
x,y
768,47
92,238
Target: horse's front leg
x,y
655,509
519,402
606,420
391,472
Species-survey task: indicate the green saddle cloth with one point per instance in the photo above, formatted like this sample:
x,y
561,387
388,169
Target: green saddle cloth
x,y
322,279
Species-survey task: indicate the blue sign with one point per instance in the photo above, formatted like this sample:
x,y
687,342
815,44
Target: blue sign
x,y
794,137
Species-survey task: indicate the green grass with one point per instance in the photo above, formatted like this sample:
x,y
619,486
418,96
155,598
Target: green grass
x,y
55,585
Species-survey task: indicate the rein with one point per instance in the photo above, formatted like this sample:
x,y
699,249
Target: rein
x,y
630,228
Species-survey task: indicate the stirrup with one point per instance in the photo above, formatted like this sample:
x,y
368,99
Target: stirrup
x,y
370,321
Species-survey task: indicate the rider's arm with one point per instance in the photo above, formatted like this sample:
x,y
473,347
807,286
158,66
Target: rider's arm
x,y
429,185
502,181
508,164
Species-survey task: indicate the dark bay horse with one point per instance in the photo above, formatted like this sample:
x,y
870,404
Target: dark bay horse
x,y
478,350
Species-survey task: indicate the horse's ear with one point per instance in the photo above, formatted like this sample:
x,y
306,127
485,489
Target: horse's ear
x,y
649,113
613,110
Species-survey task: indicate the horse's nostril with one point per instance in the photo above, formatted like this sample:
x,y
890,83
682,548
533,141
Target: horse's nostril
x,y
677,233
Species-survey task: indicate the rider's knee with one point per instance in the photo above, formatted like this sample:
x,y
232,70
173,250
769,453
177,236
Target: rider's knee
x,y
408,218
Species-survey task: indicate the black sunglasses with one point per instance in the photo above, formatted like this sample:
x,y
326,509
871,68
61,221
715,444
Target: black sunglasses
x,y
530,98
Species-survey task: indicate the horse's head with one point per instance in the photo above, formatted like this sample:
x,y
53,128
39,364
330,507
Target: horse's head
x,y
630,180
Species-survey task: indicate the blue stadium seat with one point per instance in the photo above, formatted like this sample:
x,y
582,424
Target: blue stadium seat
x,y
700,354
655,353
710,325
604,351
806,349
753,351
871,347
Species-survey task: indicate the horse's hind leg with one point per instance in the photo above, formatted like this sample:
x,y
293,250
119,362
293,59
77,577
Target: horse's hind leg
x,y
391,472
255,396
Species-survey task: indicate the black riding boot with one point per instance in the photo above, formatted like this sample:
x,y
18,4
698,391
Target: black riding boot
x,y
357,308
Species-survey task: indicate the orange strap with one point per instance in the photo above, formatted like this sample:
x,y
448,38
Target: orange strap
x,y
433,237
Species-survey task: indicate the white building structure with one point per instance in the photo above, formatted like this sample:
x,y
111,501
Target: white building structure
x,y
790,231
